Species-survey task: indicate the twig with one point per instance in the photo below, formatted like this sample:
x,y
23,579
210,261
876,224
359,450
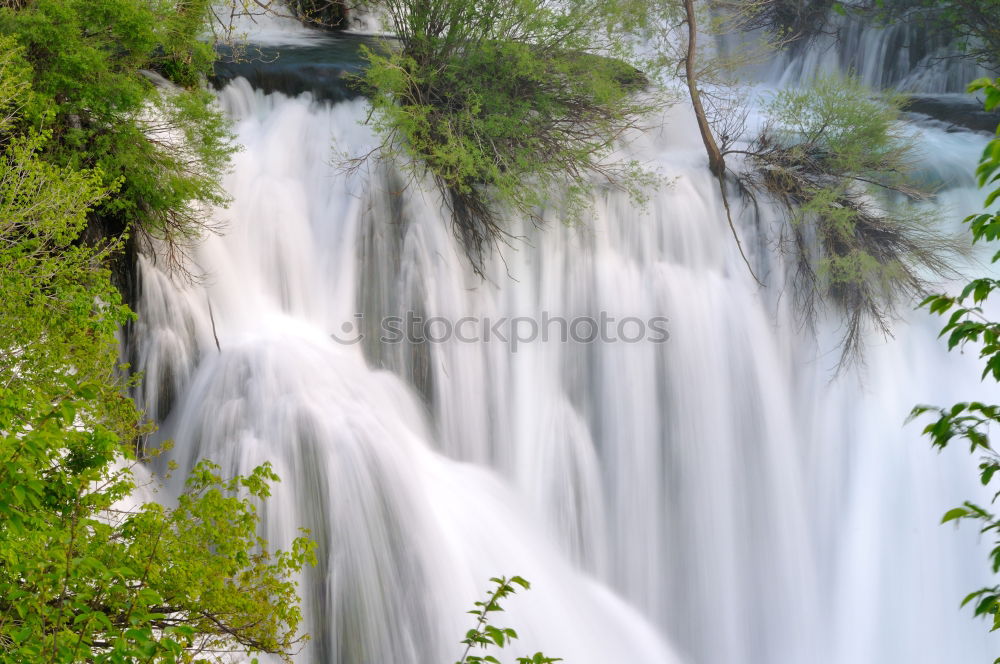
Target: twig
x,y
211,317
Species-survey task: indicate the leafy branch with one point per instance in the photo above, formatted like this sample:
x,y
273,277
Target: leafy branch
x,y
486,635
967,324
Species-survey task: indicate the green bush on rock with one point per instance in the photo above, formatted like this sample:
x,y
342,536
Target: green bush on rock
x,y
508,105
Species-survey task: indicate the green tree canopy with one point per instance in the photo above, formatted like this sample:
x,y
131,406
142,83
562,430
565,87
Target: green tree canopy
x,y
163,151
86,574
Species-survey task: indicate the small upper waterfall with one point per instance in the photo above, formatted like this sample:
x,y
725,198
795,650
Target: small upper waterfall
x,y
710,495
904,56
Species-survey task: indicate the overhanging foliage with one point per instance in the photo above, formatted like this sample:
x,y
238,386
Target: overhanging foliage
x,y
508,105
835,158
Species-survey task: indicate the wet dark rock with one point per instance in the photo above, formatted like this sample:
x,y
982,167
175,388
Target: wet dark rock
x,y
324,67
960,111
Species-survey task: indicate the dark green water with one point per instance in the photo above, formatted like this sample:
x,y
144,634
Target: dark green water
x,y
325,67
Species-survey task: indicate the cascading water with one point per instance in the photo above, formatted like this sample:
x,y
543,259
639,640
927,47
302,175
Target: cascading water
x,y
717,497
904,56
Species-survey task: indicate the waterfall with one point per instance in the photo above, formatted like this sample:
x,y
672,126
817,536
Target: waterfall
x,y
715,496
904,56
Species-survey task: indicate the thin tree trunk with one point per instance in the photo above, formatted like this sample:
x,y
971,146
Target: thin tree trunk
x,y
716,162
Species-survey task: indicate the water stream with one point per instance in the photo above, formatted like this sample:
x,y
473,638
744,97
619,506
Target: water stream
x,y
714,497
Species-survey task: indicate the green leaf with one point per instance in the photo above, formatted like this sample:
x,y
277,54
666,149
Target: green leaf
x,y
973,595
954,513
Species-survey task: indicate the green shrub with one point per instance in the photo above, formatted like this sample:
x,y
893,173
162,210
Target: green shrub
x,y
506,104
835,157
